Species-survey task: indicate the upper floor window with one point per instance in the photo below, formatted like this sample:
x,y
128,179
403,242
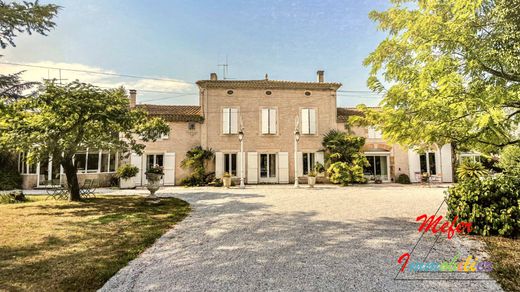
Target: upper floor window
x,y
230,121
308,121
373,133
268,121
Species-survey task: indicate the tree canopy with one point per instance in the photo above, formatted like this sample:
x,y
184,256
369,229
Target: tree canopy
x,y
64,119
454,72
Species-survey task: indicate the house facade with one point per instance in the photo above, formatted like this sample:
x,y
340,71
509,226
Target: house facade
x,y
268,113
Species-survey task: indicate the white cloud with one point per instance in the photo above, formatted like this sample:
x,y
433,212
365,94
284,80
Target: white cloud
x,y
175,88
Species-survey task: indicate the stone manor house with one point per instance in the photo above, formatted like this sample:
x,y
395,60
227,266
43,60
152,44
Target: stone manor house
x,y
268,112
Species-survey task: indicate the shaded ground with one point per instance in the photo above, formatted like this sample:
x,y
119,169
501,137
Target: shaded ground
x,y
279,238
50,245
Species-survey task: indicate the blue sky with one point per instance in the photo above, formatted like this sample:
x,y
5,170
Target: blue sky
x,y
185,40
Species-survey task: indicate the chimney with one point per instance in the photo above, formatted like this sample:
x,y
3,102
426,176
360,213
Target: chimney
x,y
319,74
213,77
133,97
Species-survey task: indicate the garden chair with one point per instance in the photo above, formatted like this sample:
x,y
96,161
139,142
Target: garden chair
x,y
436,178
56,190
88,188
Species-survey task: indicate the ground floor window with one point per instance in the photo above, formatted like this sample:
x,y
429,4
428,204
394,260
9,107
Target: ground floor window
x,y
23,166
93,161
473,157
267,165
308,162
377,168
230,163
428,163
153,160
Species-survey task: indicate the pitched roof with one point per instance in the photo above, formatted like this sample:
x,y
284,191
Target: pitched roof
x,y
267,84
174,113
342,113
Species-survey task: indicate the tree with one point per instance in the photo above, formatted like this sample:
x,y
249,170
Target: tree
x,y
454,70
344,158
25,17
64,119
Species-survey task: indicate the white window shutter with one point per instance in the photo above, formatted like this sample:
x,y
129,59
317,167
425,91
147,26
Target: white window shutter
x,y
225,121
136,161
312,121
272,121
265,121
299,161
234,121
219,164
252,167
283,167
169,169
305,121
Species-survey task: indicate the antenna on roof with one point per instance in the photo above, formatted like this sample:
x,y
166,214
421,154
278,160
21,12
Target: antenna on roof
x,y
225,67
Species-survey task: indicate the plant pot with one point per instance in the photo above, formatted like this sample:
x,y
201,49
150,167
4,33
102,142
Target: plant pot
x,y
126,183
226,181
311,181
154,183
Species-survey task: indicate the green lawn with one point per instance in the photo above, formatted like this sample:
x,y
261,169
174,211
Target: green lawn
x,y
49,245
505,256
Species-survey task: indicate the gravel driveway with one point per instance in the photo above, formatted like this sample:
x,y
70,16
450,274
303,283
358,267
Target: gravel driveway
x,y
281,238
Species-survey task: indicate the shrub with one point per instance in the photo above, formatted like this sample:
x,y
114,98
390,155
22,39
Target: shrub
x,y
491,204
195,160
192,181
16,196
127,171
510,159
470,170
10,178
345,173
403,179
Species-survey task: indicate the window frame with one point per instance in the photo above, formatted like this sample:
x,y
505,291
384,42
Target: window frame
x,y
306,129
228,163
271,129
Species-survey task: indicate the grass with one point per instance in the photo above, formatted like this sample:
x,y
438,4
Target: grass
x,y
48,245
505,256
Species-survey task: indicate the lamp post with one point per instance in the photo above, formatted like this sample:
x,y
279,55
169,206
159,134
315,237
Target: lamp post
x,y
241,139
296,140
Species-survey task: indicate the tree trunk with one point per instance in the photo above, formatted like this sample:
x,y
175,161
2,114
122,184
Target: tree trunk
x,y
72,179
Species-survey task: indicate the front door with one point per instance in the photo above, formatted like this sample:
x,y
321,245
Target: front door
x,y
428,163
268,168
378,167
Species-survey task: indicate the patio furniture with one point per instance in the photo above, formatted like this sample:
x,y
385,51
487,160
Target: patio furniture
x,y
88,189
436,178
419,177
56,190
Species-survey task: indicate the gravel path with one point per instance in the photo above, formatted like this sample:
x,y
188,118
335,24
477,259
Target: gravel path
x,y
279,238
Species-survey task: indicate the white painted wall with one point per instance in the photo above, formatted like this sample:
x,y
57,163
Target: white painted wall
x,y
443,163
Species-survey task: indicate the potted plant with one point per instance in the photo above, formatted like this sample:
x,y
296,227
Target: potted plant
x,y
378,179
125,173
311,179
226,179
154,175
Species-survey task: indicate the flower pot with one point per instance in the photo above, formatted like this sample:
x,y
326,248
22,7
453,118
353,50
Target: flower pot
x,y
126,183
226,181
154,183
311,181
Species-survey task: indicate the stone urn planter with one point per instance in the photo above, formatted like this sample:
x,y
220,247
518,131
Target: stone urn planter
x,y
311,180
153,176
154,183
226,180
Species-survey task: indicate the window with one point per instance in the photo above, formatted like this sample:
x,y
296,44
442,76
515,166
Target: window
x,y
23,166
154,159
308,163
427,162
268,92
230,121
230,163
191,126
104,162
308,121
307,93
267,165
268,121
80,161
113,159
373,133
92,161
230,92
165,136
378,167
